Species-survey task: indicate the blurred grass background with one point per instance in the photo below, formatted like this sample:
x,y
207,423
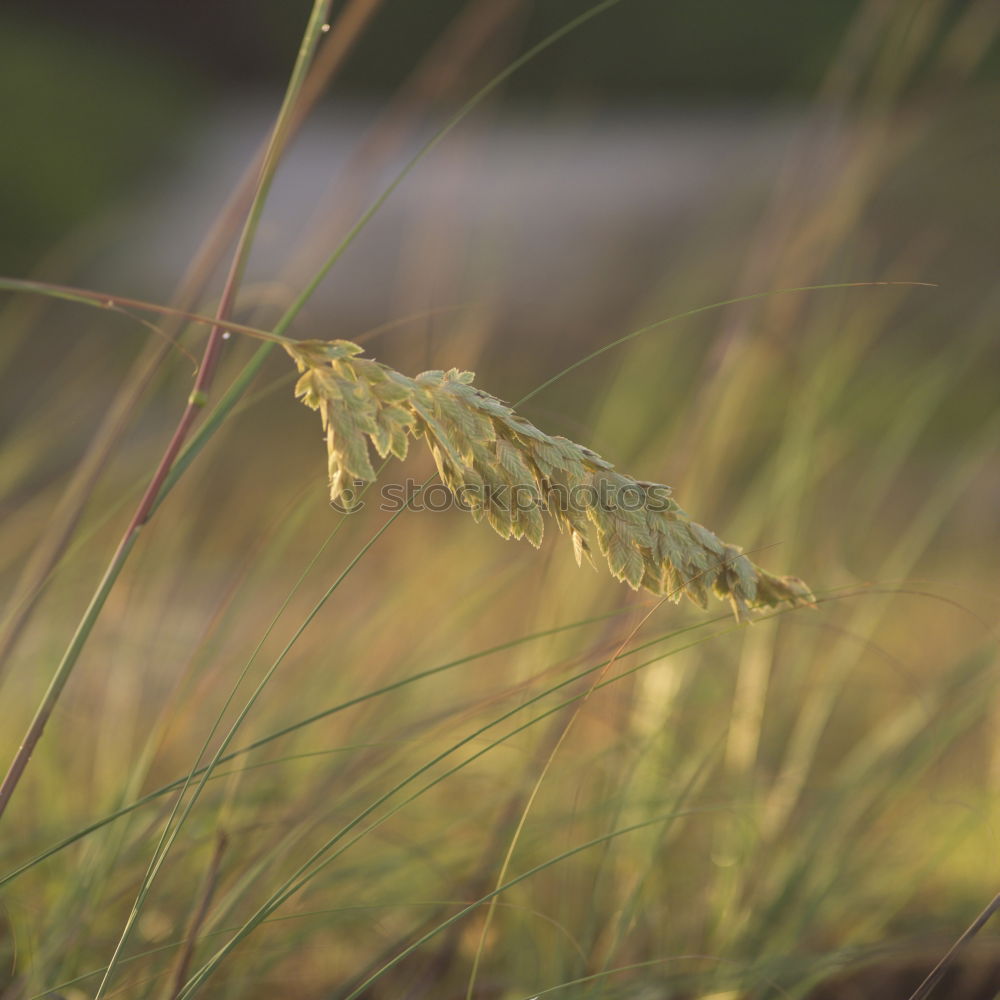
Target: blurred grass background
x,y
813,794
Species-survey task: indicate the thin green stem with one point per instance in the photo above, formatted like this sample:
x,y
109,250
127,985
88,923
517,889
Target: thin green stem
x,y
197,981
322,856
562,731
172,829
288,730
63,671
649,327
127,306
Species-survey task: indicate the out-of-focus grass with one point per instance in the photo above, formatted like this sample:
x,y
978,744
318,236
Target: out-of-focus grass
x,y
804,792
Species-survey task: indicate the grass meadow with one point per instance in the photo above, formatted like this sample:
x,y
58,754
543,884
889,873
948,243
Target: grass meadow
x,y
298,753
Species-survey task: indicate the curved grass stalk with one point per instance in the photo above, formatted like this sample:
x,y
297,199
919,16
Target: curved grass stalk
x,y
172,829
182,809
322,857
562,732
288,730
510,883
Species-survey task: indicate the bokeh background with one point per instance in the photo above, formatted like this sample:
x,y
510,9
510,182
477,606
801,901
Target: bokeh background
x,y
820,788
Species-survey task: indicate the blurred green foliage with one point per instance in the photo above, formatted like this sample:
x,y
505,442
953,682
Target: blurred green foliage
x,y
85,117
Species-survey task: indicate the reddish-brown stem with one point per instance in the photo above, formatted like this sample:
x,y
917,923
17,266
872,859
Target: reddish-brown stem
x,y
52,544
196,400
197,918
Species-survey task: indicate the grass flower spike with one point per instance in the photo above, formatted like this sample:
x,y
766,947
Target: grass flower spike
x,y
501,467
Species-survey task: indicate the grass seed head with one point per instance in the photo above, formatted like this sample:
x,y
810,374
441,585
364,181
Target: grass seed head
x,y
504,469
